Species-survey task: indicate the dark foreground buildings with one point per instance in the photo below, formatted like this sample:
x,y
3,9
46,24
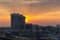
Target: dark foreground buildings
x,y
19,30
17,21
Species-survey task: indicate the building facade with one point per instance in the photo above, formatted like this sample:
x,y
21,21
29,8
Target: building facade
x,y
17,21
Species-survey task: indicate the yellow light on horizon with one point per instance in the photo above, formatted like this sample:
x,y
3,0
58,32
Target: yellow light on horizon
x,y
27,19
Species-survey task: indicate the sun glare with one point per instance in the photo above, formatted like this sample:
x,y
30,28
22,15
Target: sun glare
x,y
27,19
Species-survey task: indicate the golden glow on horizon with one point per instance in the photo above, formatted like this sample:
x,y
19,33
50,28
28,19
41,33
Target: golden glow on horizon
x,y
39,19
27,19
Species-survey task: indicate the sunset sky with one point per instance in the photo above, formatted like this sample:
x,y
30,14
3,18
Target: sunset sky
x,y
41,12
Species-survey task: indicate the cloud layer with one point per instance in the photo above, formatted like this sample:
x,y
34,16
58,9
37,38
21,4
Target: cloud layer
x,y
31,6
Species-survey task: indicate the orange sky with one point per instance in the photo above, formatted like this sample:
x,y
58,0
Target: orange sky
x,y
42,12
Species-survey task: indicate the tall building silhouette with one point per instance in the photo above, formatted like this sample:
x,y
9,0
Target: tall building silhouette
x,y
17,21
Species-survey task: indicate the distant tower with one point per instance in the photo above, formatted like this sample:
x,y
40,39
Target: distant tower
x,y
17,21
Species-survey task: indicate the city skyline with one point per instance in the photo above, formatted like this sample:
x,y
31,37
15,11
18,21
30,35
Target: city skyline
x,y
41,12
